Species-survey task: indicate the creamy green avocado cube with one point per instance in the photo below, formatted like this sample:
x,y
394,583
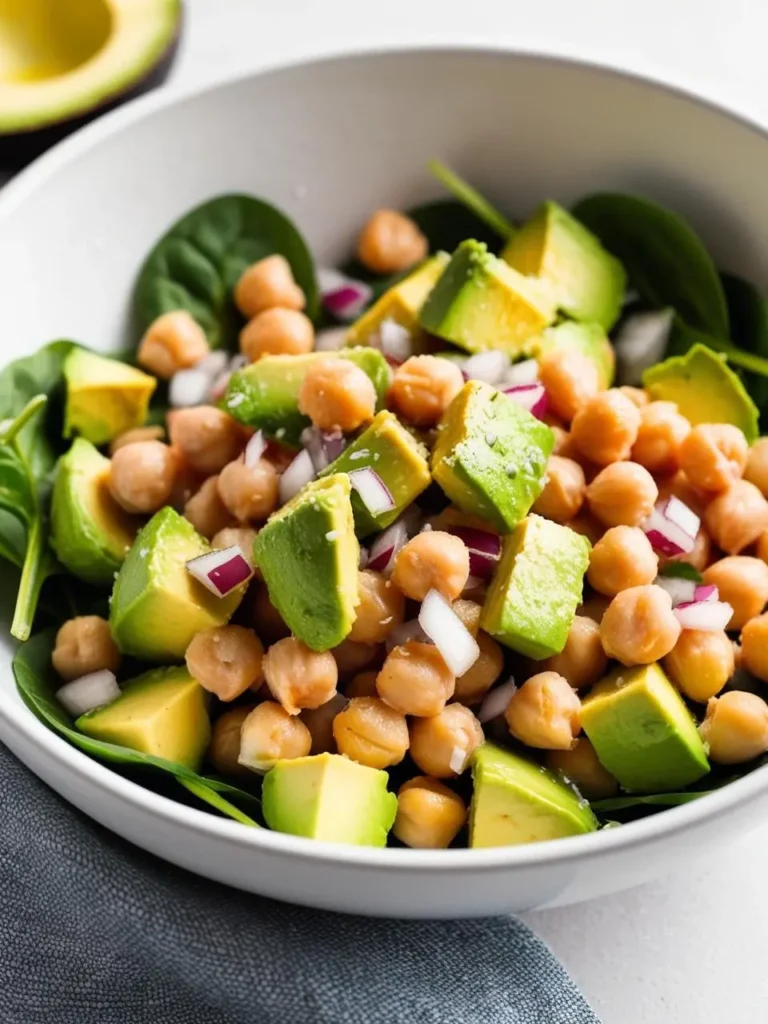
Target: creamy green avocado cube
x,y
90,533
586,281
308,555
642,731
481,303
491,455
104,396
536,588
163,713
329,797
265,395
588,339
386,447
157,606
516,801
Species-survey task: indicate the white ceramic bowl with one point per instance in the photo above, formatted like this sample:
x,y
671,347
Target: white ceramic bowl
x,y
328,142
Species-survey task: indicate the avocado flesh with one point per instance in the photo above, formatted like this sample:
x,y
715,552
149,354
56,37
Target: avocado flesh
x,y
162,713
104,396
329,797
491,455
157,607
516,801
536,588
386,447
90,533
588,339
308,555
265,395
482,303
586,281
642,731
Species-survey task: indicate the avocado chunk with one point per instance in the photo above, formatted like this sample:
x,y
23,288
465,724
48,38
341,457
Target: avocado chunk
x,y
586,281
163,713
491,455
589,339
642,731
705,389
401,303
329,797
308,555
265,395
157,607
90,533
536,588
480,302
517,801
386,447
104,396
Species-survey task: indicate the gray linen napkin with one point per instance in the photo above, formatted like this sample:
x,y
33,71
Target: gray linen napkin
x,y
94,931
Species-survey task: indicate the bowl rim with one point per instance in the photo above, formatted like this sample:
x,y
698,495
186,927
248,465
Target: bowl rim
x,y
590,846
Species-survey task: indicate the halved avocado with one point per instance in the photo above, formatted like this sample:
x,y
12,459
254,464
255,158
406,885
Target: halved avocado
x,y
61,62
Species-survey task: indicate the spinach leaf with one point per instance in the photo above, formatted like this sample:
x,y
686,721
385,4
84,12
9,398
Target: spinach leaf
x,y
665,259
196,264
446,223
748,311
472,199
684,337
623,803
202,789
682,571
36,684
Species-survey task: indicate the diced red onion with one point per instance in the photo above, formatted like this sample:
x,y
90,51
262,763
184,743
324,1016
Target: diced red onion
x,y
394,340
458,760
706,592
324,448
343,296
91,691
489,367
221,571
188,388
641,343
386,546
473,582
331,339
362,558
532,397
672,527
406,631
255,449
484,549
712,616
299,473
373,492
681,591
496,701
448,633
520,374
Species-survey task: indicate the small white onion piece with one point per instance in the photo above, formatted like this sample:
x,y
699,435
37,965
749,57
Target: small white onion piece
x,y
681,591
672,527
88,692
496,701
299,473
221,571
489,367
323,447
343,296
188,388
255,448
458,761
519,374
532,397
712,616
706,592
373,492
386,546
331,339
214,363
394,340
641,343
448,633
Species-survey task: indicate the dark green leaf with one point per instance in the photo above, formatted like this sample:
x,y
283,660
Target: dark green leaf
x,y
748,311
684,337
203,791
17,495
446,223
623,803
682,571
665,259
472,199
196,264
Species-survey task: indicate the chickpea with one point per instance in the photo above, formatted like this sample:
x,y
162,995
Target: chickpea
x,y
622,558
737,517
391,242
662,430
761,548
352,657
432,561
137,434
141,476
371,732
423,388
320,720
587,526
227,537
622,494
187,482
226,660
757,465
571,380
605,427
337,395
477,680
544,712
639,626
266,284
443,744
735,727
278,332
207,437
700,663
582,661
714,455
84,645
299,677
699,556
381,608
415,680
362,685
754,647
249,492
172,342
206,511
266,618
742,582
429,814
564,490
581,767
594,607
637,396
469,612
562,444
270,734
224,749
682,488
